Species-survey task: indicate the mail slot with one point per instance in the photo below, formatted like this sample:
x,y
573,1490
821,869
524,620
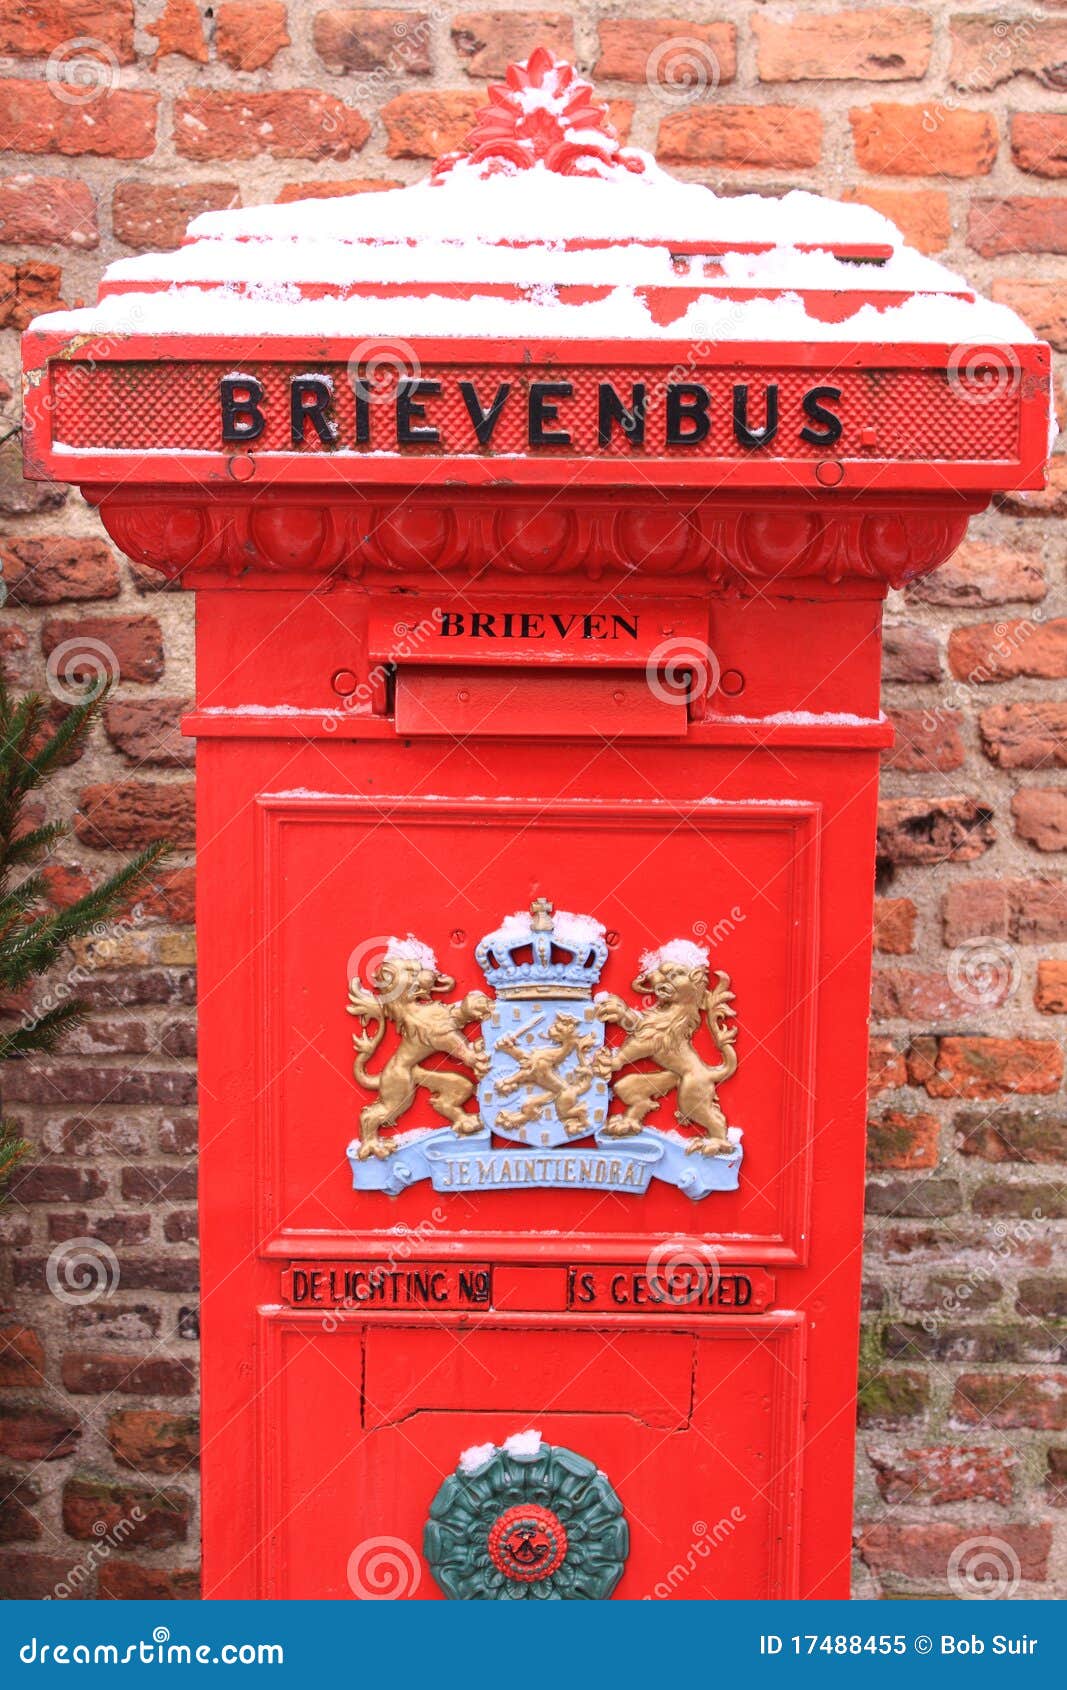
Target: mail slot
x,y
540,564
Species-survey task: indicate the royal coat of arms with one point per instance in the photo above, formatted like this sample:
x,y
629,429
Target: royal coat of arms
x,y
539,1073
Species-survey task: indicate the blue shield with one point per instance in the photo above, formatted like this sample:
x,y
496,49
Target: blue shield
x,y
542,1088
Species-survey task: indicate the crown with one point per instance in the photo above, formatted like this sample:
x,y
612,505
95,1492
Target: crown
x,y
546,953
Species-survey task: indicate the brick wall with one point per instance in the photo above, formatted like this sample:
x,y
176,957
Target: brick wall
x,y
118,122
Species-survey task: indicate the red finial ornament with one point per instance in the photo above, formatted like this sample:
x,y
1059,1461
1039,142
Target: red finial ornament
x,y
543,113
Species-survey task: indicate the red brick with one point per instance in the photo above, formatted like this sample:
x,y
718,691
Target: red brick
x,y
742,137
878,44
892,1397
21,1357
964,1066
975,909
65,884
13,643
47,211
1050,994
1049,501
989,652
148,1519
159,1184
349,38
1016,1136
99,1373
172,897
894,926
490,41
998,1200
897,1140
917,995
926,140
885,1066
424,123
32,1577
179,32
1023,223
909,653
19,1495
147,730
1006,1400
1043,1299
38,29
132,647
1025,736
153,216
32,1433
250,33
290,123
153,1441
51,1182
928,741
921,1551
125,816
989,50
27,289
57,568
944,1475
331,190
1041,304
1039,143
116,124
1056,1478
933,830
673,52
1041,817
118,1581
922,1199
52,1082
980,574
921,214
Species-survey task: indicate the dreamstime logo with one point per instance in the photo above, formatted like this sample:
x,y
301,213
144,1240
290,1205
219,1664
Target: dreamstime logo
x,y
983,972
79,666
383,1569
377,367
980,374
82,69
365,964
682,668
681,1272
82,1270
984,1567
682,69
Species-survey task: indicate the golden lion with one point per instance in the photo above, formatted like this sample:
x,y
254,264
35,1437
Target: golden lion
x,y
404,991
664,1035
541,1067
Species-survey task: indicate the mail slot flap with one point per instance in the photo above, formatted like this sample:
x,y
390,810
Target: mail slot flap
x,y
542,703
599,631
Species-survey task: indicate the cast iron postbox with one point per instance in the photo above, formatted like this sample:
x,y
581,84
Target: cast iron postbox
x,y
540,518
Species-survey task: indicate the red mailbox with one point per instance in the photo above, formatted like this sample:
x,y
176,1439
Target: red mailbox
x,y
540,517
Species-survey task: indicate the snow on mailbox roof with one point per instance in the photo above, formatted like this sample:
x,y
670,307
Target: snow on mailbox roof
x,y
544,224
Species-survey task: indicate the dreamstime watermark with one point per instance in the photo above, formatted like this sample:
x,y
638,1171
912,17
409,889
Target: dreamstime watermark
x,y
705,1540
683,69
983,972
681,669
377,367
82,1270
363,694
104,940
81,69
979,374
955,1300
78,667
383,1569
994,664
982,1568
681,1272
716,932
109,1538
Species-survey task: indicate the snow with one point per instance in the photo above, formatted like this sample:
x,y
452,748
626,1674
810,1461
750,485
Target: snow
x,y
478,1456
681,951
576,932
525,1445
410,950
623,314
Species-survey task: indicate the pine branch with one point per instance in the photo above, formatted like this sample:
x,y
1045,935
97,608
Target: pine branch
x,y
42,1034
12,1150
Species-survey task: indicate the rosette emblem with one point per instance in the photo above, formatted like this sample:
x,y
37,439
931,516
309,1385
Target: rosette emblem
x,y
526,1520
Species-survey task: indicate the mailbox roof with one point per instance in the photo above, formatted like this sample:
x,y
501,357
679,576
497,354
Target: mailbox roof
x,y
546,224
